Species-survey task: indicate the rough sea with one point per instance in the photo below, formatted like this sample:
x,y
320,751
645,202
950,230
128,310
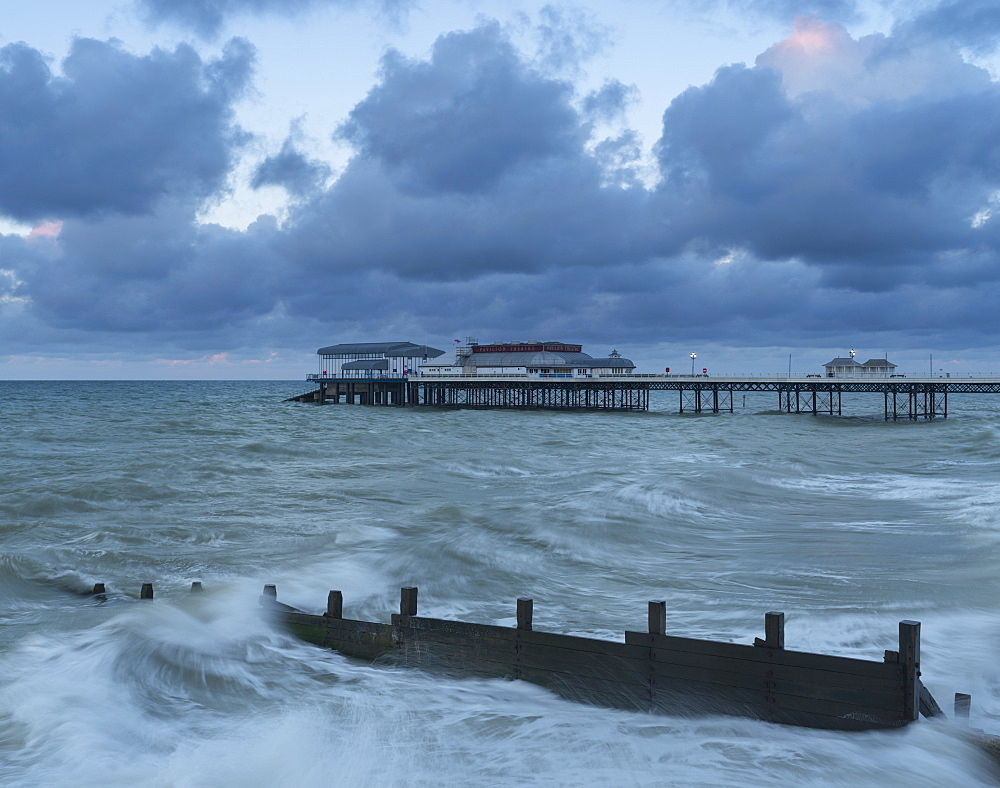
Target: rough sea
x,y
848,525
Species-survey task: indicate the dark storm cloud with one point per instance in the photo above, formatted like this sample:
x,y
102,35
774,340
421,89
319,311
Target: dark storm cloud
x,y
115,131
464,120
470,163
207,17
870,163
609,102
158,273
291,169
970,23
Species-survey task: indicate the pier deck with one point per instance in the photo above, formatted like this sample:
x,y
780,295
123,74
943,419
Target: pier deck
x,y
903,397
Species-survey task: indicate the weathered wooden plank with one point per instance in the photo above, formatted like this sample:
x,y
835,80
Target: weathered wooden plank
x,y
688,697
832,708
588,666
683,702
668,643
347,624
363,639
909,659
580,687
768,696
408,601
625,656
453,662
446,641
963,707
928,706
335,605
791,681
458,627
888,684
525,611
576,643
351,644
658,617
435,651
774,631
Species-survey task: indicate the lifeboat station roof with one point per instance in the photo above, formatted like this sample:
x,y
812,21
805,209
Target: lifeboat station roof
x,y
384,349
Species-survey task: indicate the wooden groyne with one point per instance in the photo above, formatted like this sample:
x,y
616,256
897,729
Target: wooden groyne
x,y
645,671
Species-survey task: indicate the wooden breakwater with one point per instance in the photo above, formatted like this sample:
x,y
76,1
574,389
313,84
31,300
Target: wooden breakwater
x,y
649,671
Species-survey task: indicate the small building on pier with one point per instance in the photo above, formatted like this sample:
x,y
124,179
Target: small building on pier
x,y
367,360
849,368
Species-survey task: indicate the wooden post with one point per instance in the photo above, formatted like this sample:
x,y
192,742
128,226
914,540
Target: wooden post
x,y
408,601
963,705
147,591
909,659
525,609
196,587
98,588
774,631
657,618
270,596
334,605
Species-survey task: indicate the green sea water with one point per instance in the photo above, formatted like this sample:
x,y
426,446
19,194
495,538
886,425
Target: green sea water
x,y
848,525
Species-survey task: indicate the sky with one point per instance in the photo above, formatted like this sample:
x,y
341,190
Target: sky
x,y
213,189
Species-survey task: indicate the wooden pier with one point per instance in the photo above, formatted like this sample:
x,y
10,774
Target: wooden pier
x,y
644,671
903,398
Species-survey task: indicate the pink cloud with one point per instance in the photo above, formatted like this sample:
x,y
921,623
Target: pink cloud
x,y
46,230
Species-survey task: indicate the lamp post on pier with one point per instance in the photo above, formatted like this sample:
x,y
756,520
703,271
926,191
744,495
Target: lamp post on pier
x,y
693,357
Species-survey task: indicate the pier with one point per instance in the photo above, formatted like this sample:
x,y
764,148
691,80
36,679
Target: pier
x,y
908,398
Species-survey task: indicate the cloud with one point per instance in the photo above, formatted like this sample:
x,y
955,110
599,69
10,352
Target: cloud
x,y
115,132
292,170
568,37
608,103
207,17
835,186
464,120
826,163
967,23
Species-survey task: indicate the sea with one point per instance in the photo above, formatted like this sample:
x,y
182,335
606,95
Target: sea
x,y
846,524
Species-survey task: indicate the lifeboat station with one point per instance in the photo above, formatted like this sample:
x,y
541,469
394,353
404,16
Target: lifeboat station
x,y
561,376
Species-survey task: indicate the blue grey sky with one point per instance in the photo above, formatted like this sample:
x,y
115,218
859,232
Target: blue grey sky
x,y
216,188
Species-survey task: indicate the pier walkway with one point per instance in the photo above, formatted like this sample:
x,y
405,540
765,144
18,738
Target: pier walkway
x,y
903,397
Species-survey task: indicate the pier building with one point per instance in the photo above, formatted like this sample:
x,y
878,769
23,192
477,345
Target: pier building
x,y
560,376
551,359
367,360
849,368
